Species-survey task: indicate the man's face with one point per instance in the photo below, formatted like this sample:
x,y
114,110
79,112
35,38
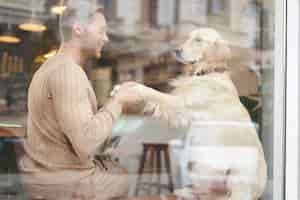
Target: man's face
x,y
95,36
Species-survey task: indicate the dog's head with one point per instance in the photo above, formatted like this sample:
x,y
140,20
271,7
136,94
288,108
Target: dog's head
x,y
203,45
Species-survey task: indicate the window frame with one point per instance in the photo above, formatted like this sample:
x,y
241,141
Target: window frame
x,y
280,86
292,101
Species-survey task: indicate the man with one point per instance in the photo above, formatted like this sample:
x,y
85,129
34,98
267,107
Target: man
x,y
64,126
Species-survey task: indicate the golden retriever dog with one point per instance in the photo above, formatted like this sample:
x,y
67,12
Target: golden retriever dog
x,y
227,153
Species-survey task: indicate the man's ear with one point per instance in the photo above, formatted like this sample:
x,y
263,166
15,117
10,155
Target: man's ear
x,y
223,51
77,29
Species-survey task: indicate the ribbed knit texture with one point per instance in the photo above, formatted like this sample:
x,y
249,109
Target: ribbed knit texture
x,y
64,126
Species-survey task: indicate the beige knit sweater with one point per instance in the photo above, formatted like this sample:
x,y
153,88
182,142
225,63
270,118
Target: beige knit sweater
x,y
64,125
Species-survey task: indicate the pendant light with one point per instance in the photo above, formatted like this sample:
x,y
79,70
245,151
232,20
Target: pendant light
x,y
9,36
59,8
50,54
33,24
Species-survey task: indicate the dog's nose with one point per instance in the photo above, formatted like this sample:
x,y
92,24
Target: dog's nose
x,y
178,51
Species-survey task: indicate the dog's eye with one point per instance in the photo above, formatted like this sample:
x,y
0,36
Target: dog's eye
x,y
198,40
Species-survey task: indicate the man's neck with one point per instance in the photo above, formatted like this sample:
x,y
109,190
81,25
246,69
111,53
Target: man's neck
x,y
73,51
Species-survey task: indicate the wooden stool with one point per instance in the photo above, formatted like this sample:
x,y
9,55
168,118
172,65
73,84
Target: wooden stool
x,y
155,150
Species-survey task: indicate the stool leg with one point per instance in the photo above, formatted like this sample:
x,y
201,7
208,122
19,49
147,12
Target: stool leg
x,y
167,157
141,170
158,168
151,167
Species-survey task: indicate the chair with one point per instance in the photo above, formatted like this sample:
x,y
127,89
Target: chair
x,y
12,151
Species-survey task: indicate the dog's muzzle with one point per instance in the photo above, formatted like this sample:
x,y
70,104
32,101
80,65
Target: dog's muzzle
x,y
178,56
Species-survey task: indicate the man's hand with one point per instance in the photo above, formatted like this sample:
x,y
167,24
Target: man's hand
x,y
128,97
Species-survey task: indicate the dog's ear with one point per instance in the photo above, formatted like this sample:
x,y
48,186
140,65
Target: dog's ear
x,y
222,51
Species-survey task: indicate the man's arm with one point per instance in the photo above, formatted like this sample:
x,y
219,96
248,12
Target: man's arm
x,y
74,114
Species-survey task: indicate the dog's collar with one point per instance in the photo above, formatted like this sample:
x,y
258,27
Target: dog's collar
x,y
203,72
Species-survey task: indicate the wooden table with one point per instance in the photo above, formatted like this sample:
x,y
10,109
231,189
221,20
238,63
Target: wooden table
x,y
10,135
12,131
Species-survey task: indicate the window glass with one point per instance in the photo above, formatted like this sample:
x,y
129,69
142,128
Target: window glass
x,y
137,99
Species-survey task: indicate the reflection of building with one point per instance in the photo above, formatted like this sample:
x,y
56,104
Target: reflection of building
x,y
146,30
142,34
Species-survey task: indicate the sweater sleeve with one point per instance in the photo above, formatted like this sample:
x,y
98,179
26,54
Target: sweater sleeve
x,y
84,129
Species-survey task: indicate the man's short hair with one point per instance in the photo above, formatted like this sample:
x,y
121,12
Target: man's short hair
x,y
79,11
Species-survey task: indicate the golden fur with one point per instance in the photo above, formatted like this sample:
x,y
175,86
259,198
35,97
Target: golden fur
x,y
211,96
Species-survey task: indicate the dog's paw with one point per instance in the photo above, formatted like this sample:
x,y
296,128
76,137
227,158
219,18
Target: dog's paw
x,y
179,119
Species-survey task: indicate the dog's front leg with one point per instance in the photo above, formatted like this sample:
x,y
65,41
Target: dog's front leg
x,y
167,107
